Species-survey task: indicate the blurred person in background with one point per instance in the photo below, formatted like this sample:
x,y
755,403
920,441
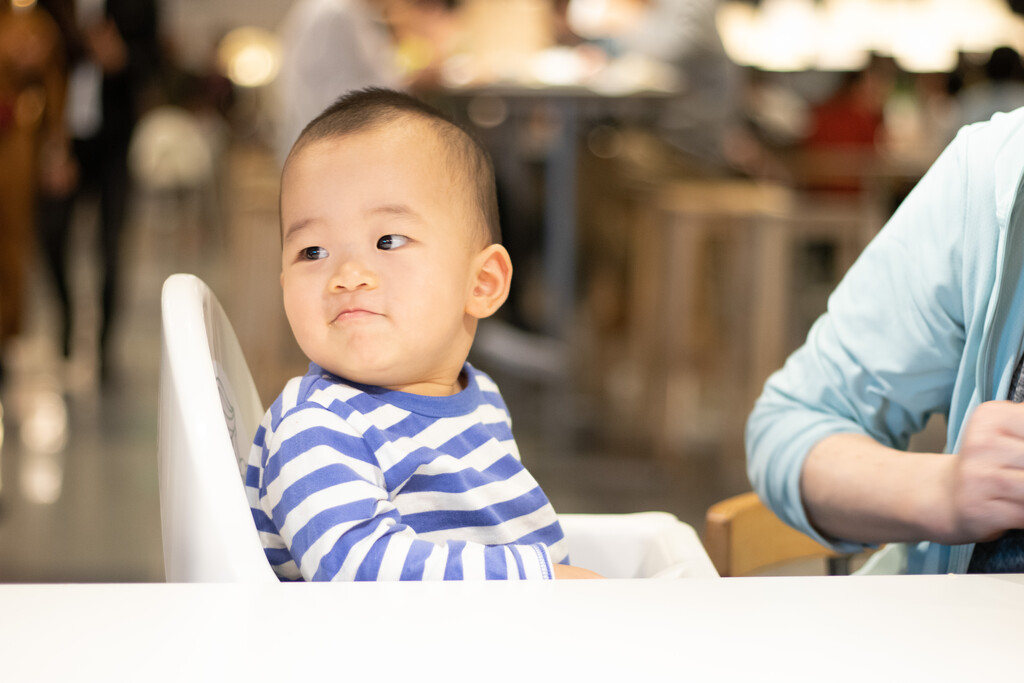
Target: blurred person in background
x,y
1001,90
330,47
846,130
427,33
33,145
683,34
114,57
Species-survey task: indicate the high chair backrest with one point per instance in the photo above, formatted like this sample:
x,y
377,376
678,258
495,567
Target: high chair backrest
x,y
209,411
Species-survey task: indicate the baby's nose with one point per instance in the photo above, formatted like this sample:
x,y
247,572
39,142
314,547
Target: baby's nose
x,y
354,274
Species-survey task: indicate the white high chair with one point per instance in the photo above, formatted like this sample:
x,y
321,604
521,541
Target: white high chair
x,y
209,411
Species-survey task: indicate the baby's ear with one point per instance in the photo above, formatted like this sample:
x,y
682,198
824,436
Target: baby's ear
x,y
491,279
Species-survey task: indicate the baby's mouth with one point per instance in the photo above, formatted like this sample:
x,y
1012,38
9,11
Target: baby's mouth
x,y
353,314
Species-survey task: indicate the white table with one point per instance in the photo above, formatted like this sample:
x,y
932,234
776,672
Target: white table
x,y
937,628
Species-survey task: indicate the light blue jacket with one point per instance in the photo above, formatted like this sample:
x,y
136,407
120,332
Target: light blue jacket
x,y
930,319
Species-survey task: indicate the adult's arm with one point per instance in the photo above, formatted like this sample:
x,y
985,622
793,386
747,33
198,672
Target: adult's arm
x,y
856,488
825,439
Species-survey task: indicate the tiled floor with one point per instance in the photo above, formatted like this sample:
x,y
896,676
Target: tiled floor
x,y
78,484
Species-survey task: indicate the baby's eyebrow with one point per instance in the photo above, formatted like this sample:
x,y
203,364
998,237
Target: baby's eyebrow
x,y
295,227
400,210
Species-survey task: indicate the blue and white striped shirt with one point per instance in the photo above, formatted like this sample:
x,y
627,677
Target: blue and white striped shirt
x,y
353,482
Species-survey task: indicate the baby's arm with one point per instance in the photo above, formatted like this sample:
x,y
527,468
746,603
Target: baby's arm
x,y
565,571
326,495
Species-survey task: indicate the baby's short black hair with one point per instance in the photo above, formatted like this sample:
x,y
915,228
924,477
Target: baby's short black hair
x,y
373,108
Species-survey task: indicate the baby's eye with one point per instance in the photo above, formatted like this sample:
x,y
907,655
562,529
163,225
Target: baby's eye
x,y
388,242
313,253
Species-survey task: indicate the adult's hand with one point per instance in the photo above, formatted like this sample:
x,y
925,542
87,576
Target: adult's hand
x,y
987,475
858,490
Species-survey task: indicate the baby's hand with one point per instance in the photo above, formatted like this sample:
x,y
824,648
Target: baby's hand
x,y
565,571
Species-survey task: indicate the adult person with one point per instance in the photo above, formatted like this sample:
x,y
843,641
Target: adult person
x,y
1002,89
846,130
113,64
329,47
683,34
337,46
33,145
929,320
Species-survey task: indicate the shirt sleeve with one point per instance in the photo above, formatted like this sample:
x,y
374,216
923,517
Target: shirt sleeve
x,y
325,493
886,354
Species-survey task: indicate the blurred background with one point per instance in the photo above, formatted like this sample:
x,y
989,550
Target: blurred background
x,y
682,183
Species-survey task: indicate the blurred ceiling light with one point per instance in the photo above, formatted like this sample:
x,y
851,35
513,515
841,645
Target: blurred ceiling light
x,y
414,54
557,66
881,22
633,73
984,25
459,71
737,25
23,4
924,40
789,32
839,35
923,57
249,56
843,35
587,18
593,19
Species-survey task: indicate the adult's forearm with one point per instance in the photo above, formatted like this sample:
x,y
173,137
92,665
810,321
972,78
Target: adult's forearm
x,y
856,489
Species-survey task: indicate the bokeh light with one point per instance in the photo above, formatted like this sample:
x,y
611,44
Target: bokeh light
x,y
249,56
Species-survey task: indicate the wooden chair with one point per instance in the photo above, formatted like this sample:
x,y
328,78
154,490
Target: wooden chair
x,y
743,536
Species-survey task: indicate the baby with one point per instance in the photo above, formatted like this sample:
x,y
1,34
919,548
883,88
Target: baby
x,y
393,458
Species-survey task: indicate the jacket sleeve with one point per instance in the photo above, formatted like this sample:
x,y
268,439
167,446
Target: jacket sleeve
x,y
325,493
886,354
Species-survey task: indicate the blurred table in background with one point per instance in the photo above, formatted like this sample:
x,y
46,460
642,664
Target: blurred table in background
x,y
720,279
521,123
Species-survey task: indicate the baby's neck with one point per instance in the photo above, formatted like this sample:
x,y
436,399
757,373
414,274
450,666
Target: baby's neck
x,y
434,388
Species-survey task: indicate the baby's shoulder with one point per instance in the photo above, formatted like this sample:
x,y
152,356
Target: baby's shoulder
x,y
313,393
314,412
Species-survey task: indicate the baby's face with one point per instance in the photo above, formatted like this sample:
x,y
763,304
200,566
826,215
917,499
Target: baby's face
x,y
378,259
